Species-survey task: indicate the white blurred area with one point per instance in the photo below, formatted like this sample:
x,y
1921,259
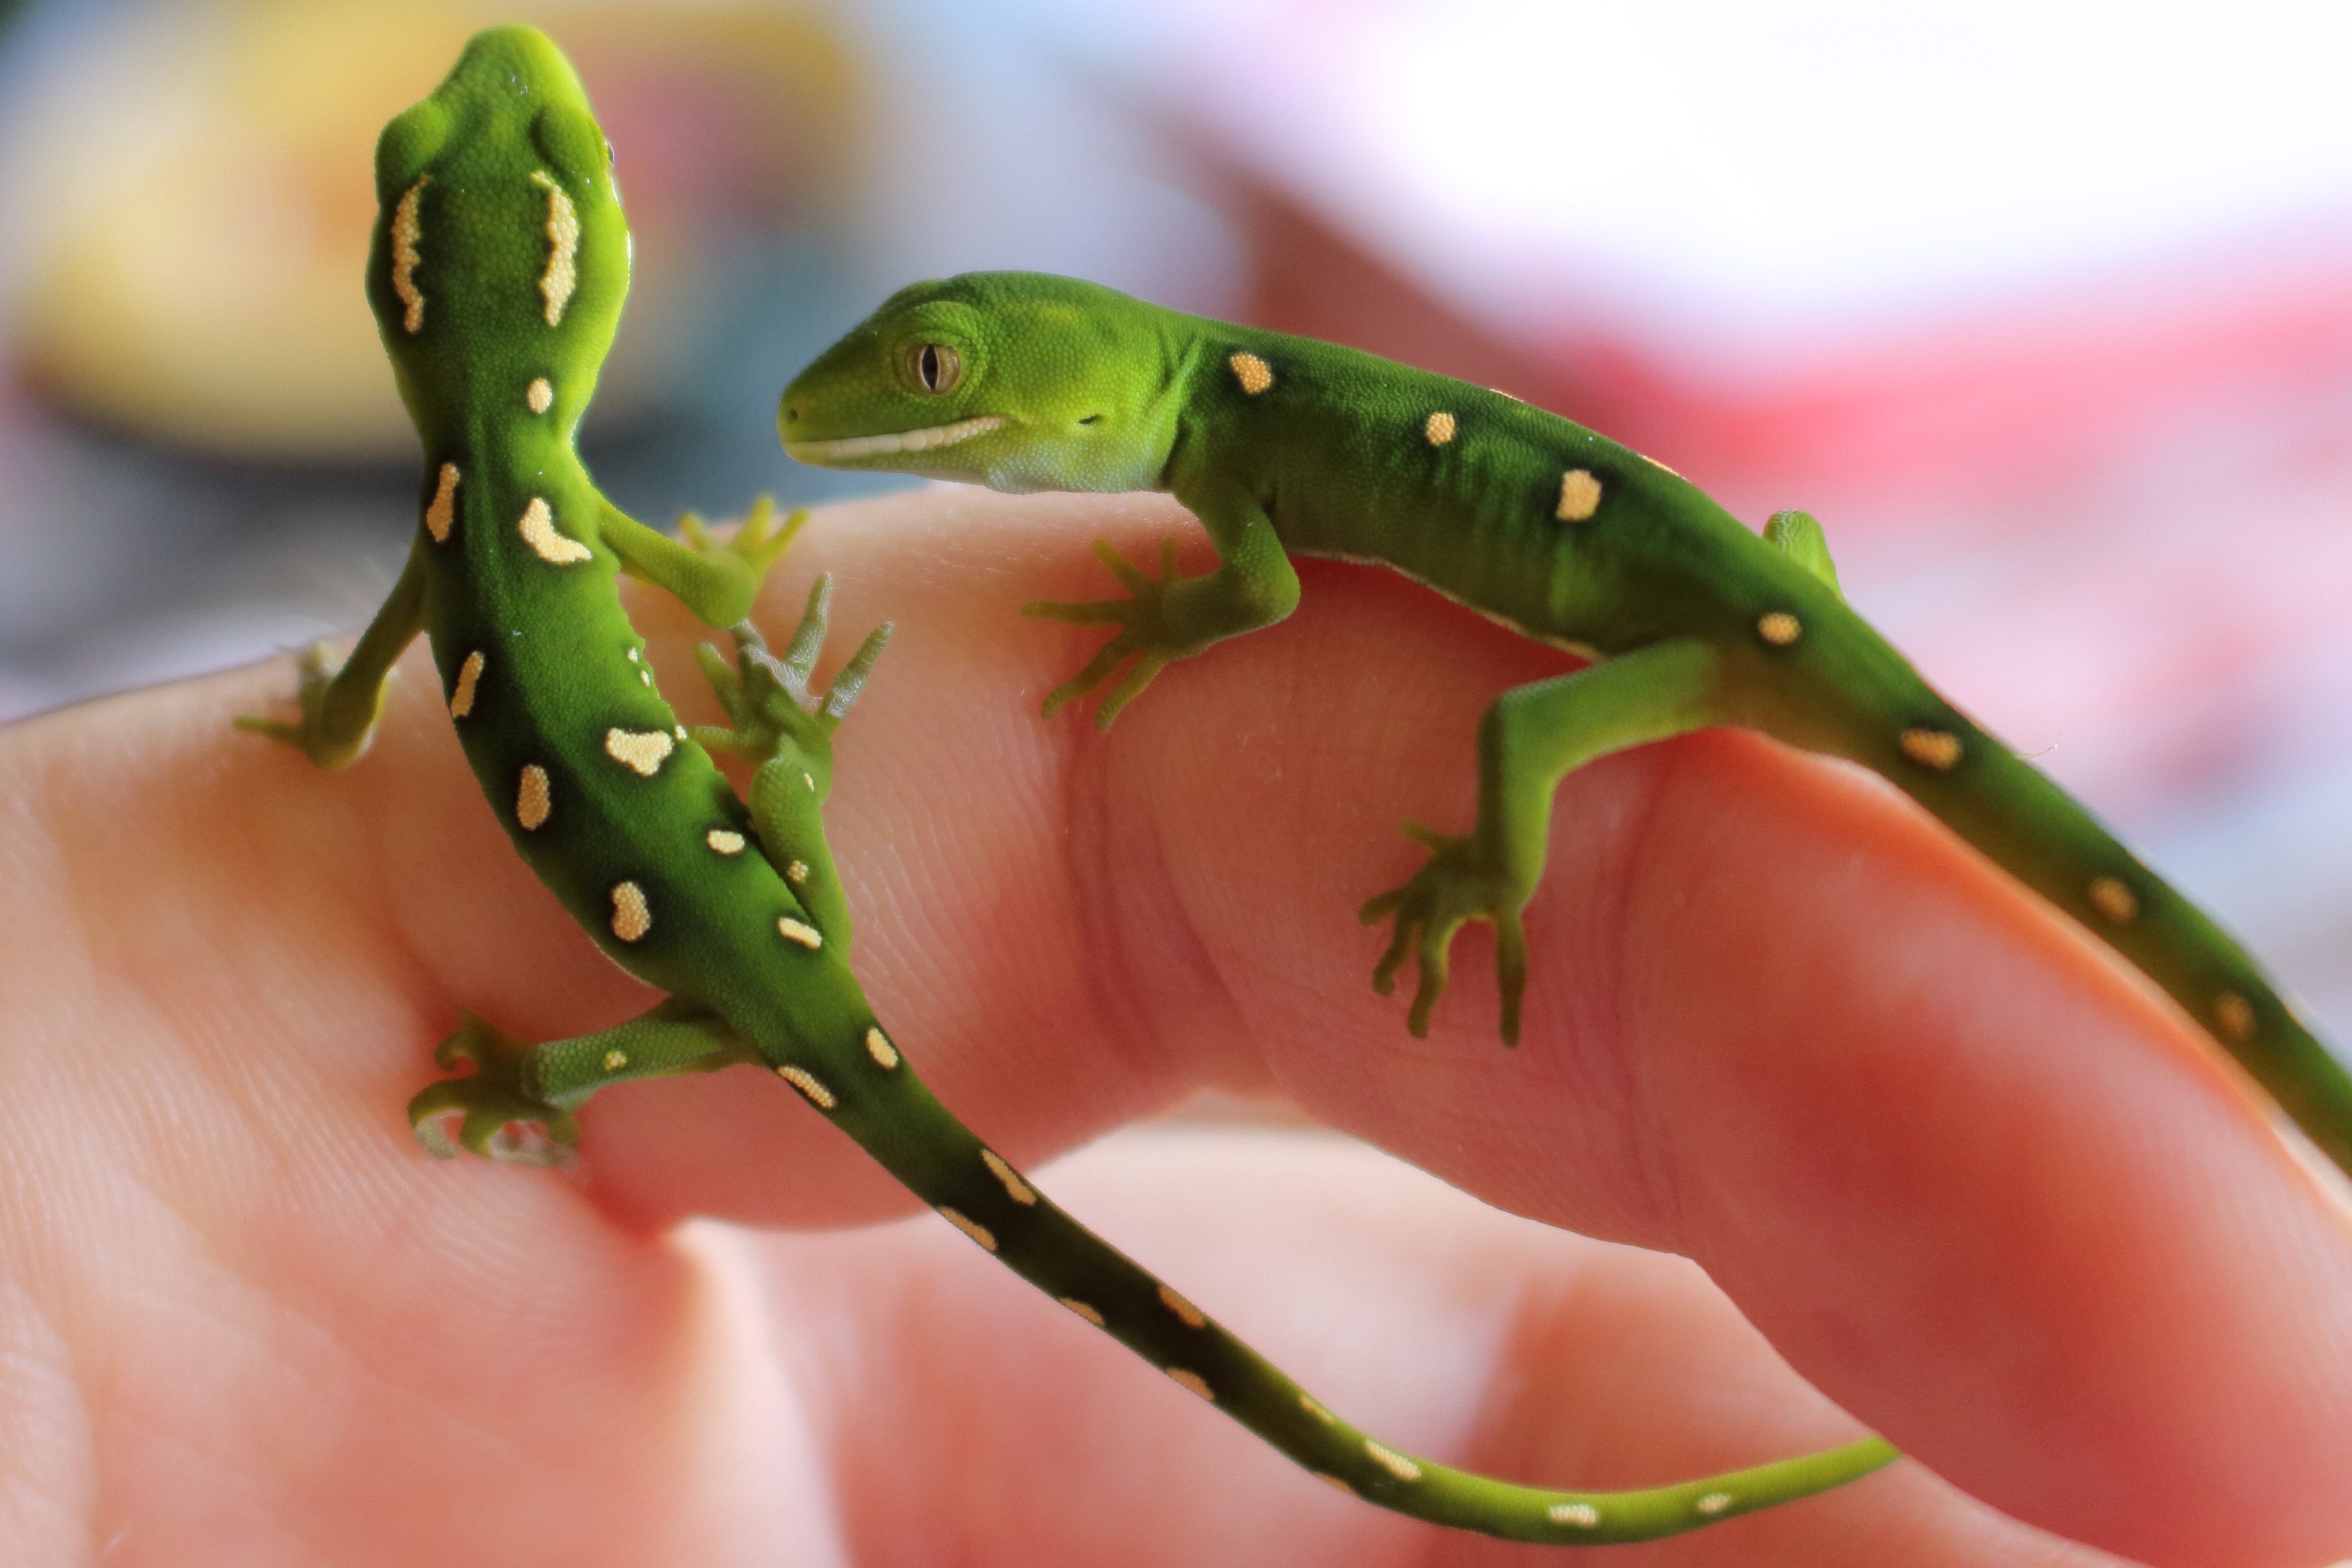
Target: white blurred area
x,y
2045,309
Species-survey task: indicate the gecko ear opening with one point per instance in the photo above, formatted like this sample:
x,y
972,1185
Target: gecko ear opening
x,y
408,142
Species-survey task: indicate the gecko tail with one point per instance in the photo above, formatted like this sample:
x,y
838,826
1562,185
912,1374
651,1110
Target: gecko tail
x,y
863,1085
1849,694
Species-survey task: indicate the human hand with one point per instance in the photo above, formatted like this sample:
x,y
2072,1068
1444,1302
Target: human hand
x,y
1972,1181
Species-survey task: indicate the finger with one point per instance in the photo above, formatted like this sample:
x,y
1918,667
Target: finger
x,y
1959,1204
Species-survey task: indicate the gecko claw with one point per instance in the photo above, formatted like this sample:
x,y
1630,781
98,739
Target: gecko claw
x,y
494,1110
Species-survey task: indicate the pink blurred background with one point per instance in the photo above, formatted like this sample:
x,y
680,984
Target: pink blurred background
x,y
2044,311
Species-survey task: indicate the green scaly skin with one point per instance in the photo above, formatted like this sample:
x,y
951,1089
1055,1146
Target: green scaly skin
x,y
1286,446
501,260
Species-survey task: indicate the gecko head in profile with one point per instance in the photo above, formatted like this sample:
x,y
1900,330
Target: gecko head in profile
x,y
1018,381
501,253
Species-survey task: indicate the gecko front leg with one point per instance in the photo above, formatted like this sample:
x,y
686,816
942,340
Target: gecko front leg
x,y
1531,738
338,706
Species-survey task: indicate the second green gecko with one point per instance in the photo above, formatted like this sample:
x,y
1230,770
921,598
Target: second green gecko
x,y
1284,446
501,260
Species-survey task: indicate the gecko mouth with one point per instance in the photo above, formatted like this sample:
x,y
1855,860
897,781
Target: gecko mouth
x,y
849,446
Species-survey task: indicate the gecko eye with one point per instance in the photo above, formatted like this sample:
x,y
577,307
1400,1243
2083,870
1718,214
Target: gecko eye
x,y
936,367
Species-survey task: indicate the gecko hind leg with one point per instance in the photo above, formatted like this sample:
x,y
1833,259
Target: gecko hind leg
x,y
517,1105
1530,739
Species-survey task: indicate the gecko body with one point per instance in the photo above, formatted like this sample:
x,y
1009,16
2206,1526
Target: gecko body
x,y
1283,445
500,261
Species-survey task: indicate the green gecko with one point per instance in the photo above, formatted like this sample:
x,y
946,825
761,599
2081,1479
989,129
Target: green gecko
x,y
500,263
1286,446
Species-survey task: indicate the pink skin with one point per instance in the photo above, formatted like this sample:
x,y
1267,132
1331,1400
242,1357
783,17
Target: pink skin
x,y
1968,1176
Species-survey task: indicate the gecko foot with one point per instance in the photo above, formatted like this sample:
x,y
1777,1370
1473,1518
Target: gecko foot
x,y
1458,884
494,1110
1145,645
315,734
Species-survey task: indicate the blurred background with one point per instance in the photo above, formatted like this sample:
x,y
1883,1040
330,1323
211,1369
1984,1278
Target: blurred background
x,y
2044,308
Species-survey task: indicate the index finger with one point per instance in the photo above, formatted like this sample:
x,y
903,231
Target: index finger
x,y
1975,1179
1974,1182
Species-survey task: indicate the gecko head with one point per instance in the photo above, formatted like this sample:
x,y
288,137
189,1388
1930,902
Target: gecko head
x,y
1017,381
501,254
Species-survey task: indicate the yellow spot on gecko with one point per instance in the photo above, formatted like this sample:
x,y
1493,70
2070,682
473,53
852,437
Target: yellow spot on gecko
x,y
972,1228
538,527
725,841
797,873
540,395
1713,1503
1936,749
1334,1482
1255,375
807,936
878,1047
470,676
1190,1382
555,284
441,512
1579,496
631,916
1438,428
2111,898
642,751
615,1060
1083,1310
1019,1191
1314,1407
1189,1315
801,1079
533,799
1389,1459
1780,628
1584,1515
2234,1014
406,258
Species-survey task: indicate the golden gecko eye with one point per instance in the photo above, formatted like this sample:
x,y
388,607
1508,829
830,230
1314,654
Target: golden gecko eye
x,y
936,366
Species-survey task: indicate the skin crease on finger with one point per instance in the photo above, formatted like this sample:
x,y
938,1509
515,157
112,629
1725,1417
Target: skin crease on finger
x,y
1971,1180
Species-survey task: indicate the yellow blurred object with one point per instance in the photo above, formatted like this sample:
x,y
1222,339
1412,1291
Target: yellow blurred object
x,y
208,292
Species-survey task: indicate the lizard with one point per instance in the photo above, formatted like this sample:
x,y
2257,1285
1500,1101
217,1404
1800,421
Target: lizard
x,y
500,262
1686,619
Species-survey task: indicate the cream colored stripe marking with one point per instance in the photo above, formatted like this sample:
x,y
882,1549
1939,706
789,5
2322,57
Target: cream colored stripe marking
x,y
972,1228
562,275
1189,1315
533,798
1020,1191
538,527
1192,1383
807,1082
1579,496
642,751
924,440
632,917
407,232
441,513
469,675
